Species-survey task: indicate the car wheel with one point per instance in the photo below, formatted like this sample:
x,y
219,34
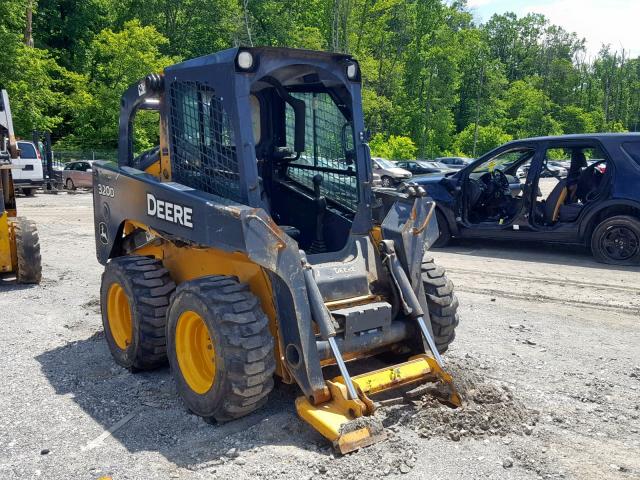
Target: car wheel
x,y
69,184
445,233
387,182
616,241
29,192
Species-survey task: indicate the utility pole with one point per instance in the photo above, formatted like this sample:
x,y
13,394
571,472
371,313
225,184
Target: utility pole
x,y
28,30
478,98
246,21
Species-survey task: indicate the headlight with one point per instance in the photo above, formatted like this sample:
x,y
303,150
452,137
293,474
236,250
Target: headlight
x,y
245,60
352,71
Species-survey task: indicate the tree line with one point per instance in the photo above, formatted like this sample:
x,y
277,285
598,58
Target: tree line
x,y
434,81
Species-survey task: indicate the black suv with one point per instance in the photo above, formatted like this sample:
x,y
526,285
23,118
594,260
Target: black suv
x,y
576,189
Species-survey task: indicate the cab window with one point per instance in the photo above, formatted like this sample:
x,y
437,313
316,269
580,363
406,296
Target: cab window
x,y
27,150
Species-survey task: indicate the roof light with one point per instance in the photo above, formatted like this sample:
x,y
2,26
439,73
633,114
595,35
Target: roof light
x,y
352,71
245,60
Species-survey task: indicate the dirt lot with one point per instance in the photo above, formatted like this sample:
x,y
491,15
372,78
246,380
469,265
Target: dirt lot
x,y
547,355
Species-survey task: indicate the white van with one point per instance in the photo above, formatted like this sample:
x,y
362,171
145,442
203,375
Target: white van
x,y
27,169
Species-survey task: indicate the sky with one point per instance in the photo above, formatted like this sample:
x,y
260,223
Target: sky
x,y
614,22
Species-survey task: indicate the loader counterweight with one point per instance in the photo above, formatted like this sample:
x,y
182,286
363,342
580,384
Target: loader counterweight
x,y
258,204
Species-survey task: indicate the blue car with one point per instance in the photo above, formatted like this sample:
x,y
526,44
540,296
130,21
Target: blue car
x,y
513,192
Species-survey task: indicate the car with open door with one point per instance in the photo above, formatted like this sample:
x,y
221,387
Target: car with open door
x,y
594,202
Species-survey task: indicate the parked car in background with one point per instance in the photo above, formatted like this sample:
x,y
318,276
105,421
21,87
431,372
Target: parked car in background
x,y
596,204
455,163
78,174
422,167
27,169
554,169
390,173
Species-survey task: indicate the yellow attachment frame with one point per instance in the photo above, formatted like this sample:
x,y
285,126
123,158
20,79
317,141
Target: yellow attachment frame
x,y
333,419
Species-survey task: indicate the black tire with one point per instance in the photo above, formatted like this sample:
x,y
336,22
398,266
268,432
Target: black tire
x,y
445,234
29,268
442,303
69,184
239,333
387,181
148,288
616,241
29,192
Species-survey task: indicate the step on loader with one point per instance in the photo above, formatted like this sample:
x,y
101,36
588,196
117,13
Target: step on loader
x,y
19,243
249,243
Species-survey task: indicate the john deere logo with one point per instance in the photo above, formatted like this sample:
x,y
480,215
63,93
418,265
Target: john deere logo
x,y
102,229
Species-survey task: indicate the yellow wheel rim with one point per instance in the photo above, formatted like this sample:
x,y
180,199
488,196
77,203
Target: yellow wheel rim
x,y
195,352
119,316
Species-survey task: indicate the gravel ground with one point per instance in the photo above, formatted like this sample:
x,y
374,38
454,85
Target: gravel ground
x,y
547,358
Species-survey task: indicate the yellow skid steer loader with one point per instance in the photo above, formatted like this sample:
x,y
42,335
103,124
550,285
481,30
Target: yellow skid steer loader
x,y
19,243
250,242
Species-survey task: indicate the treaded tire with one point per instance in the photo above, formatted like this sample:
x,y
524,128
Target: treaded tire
x,y
442,303
28,251
445,235
148,288
599,239
243,345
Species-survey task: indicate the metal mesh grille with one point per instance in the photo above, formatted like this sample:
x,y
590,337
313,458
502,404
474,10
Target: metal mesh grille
x,y
204,153
324,126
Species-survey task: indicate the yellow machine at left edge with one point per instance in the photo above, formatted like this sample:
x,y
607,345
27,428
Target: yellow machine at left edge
x,y
19,242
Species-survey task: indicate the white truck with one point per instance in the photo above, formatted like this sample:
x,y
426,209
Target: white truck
x,y
27,169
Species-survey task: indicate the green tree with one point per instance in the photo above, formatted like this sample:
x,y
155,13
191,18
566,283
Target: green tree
x,y
574,119
529,111
116,60
190,28
65,27
395,147
487,138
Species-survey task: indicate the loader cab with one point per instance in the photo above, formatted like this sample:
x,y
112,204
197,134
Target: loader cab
x,y
307,164
277,129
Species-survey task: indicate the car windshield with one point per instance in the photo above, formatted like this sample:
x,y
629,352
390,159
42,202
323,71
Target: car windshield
x,y
505,160
384,163
27,150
